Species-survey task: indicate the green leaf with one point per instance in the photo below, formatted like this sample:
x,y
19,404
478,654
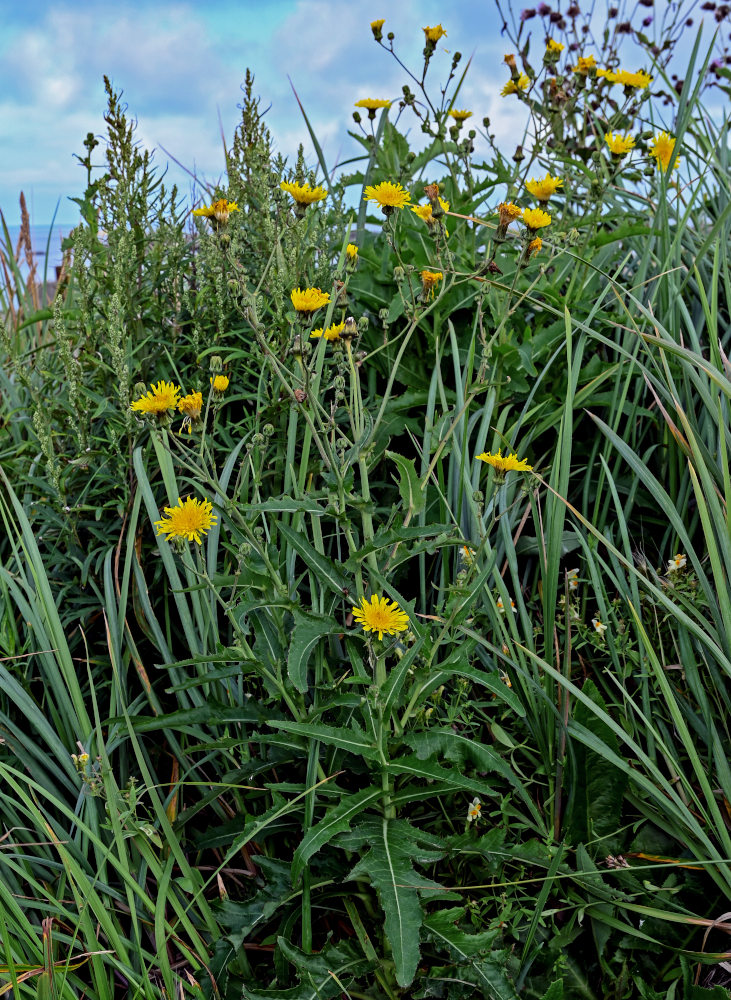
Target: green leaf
x,y
324,568
554,991
413,496
285,505
352,740
336,820
308,630
442,928
433,771
322,975
395,846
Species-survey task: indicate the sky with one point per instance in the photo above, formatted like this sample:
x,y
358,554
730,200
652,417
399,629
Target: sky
x,y
181,65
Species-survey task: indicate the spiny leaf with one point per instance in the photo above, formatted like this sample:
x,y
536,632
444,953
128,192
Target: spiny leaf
x,y
337,820
308,630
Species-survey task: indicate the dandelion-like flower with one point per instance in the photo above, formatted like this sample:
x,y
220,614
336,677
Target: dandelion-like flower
x,y
619,145
505,463
508,213
677,563
584,64
662,149
501,606
308,300
219,210
372,103
303,194
429,282
332,333
351,251
516,86
474,809
377,28
599,626
545,188
426,212
553,46
219,382
380,616
460,116
536,218
388,195
190,406
638,80
161,399
189,520
434,34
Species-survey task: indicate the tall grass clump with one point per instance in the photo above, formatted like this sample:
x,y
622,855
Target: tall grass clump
x,y
365,621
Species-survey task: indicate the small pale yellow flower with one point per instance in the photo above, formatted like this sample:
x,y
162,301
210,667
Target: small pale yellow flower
x,y
584,64
303,194
307,300
220,383
515,86
190,519
460,116
429,282
434,34
618,144
545,188
219,210
662,149
388,195
161,399
332,333
572,575
599,626
380,616
505,463
553,46
474,810
678,562
536,218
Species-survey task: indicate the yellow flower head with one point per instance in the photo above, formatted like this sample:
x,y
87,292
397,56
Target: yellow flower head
x,y
507,463
190,406
460,116
303,194
639,80
618,144
219,382
161,399
377,28
429,281
380,616
662,149
388,195
190,519
308,300
544,189
434,34
332,333
536,218
534,246
553,46
515,86
351,251
584,64
425,212
599,626
372,103
219,210
508,213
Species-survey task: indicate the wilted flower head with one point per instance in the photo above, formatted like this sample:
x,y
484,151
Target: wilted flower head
x,y
429,281
584,64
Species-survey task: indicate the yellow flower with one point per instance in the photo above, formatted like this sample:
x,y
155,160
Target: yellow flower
x,y
376,28
618,144
388,195
598,626
460,116
429,281
505,463
425,212
434,34
380,616
219,383
190,519
473,812
627,79
303,194
219,210
544,189
585,64
662,149
677,562
190,406
553,46
308,300
536,218
351,251
372,103
332,333
162,398
515,86
534,246
508,212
